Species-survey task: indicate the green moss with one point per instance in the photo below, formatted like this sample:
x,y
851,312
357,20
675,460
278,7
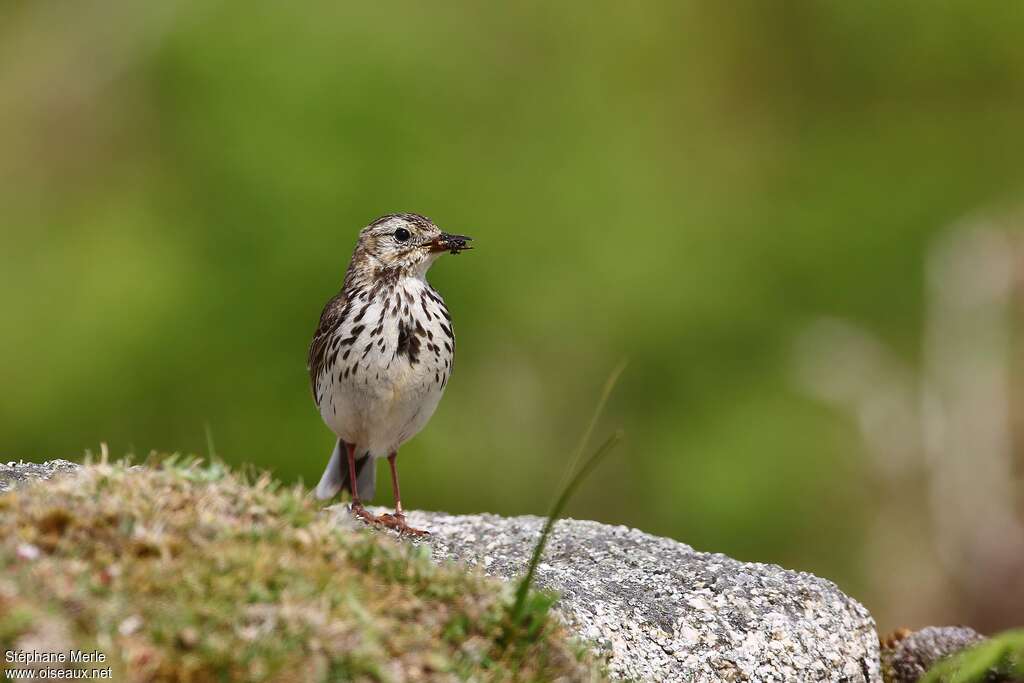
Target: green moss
x,y
187,572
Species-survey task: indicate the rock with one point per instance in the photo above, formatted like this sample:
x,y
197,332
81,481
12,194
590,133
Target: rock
x,y
13,473
661,611
907,656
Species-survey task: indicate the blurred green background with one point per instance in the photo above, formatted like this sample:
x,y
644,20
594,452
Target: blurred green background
x,y
684,184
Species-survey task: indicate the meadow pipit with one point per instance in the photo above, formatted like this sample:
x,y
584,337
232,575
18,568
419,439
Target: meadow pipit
x,y
382,355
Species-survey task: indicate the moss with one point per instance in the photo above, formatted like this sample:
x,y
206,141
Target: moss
x,y
181,571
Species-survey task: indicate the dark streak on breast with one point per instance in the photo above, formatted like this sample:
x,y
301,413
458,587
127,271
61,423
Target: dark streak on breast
x,y
408,343
362,312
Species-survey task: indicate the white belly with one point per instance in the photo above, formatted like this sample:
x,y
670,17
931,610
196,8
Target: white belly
x,y
379,416
380,393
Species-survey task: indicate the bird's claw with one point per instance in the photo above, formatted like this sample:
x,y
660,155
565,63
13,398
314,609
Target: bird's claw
x,y
396,522
362,513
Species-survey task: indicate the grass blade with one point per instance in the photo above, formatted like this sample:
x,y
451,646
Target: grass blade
x,y
556,511
606,391
211,450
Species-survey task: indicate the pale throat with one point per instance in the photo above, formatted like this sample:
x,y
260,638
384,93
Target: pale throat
x,y
410,267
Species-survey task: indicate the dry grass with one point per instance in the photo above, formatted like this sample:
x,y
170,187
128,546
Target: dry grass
x,y
185,572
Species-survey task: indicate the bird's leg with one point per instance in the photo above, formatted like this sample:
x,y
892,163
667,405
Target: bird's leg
x,y
397,520
396,491
357,505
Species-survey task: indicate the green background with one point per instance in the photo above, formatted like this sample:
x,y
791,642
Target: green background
x,y
685,185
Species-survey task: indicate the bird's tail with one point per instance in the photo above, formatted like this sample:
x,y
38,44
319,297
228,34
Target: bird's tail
x,y
336,480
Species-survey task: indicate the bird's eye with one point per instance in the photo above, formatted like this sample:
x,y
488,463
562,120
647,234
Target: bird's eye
x,y
402,234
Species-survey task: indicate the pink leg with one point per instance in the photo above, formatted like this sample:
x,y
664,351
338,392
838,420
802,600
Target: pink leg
x,y
357,505
397,520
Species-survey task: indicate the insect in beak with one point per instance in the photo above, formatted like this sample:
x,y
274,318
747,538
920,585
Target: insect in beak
x,y
450,243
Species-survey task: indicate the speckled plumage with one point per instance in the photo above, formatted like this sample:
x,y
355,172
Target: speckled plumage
x,y
383,352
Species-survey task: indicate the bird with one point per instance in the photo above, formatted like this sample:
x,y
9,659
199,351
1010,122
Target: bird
x,y
381,357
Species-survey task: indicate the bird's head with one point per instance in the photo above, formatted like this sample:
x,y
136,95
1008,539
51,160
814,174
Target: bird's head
x,y
405,242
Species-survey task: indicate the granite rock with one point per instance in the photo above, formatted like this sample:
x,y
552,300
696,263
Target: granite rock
x,y
660,611
14,473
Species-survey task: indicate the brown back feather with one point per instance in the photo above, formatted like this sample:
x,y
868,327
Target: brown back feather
x,y
330,319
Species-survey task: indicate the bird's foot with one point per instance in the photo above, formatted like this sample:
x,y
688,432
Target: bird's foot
x,y
396,522
359,512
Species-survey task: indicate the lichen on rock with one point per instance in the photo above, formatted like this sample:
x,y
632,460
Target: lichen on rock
x,y
188,572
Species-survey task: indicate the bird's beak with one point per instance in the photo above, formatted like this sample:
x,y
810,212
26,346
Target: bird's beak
x,y
452,243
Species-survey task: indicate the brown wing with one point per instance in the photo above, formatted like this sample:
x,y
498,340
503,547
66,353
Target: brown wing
x,y
330,319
